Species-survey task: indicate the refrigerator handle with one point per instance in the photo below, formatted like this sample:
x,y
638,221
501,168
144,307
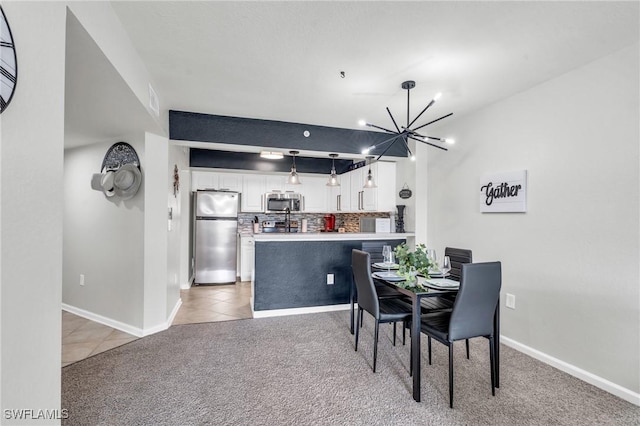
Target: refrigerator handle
x,y
303,204
262,202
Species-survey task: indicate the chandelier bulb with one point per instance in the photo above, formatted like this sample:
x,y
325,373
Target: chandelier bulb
x,y
450,141
437,96
362,122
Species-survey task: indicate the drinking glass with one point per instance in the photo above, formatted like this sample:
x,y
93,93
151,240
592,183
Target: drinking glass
x,y
446,266
386,253
432,257
412,275
390,262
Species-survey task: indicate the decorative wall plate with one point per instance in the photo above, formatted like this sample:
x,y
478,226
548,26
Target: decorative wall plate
x,y
8,63
119,154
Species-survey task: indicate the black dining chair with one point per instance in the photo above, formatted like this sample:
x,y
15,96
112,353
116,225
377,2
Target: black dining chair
x,y
374,248
458,257
383,310
472,314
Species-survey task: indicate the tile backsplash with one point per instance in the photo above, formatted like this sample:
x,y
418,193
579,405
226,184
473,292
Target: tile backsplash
x,y
315,221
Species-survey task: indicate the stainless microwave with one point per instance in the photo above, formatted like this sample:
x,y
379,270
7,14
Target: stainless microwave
x,y
278,202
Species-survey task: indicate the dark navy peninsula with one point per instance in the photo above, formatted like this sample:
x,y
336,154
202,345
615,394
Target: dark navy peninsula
x,y
308,272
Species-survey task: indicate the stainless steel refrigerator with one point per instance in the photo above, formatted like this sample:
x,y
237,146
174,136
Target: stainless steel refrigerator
x,y
216,237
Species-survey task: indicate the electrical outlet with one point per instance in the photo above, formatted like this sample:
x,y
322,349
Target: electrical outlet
x,y
511,301
81,279
329,279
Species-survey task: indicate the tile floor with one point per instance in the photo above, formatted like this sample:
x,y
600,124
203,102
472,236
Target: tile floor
x,y
82,338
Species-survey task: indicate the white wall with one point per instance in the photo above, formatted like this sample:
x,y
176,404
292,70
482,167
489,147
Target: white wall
x,y
103,239
101,22
143,298
160,294
572,260
32,134
178,250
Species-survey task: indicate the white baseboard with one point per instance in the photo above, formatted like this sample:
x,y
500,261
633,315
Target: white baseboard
x,y
127,328
606,385
297,311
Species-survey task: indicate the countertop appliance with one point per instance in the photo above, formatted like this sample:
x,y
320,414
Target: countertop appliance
x,y
216,237
329,223
278,202
279,226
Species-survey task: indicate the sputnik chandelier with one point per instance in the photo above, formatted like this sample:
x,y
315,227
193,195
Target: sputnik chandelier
x,y
404,133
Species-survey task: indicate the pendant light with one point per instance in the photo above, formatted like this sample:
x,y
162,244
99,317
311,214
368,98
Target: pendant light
x,y
333,178
369,182
293,178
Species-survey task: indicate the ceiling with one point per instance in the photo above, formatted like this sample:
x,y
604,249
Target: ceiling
x,y
282,60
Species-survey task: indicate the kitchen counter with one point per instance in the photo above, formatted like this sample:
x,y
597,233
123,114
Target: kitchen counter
x,y
308,272
331,236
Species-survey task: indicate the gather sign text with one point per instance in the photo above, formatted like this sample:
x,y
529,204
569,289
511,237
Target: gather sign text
x,y
501,191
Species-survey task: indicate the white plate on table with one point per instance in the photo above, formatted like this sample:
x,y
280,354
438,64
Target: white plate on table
x,y
437,274
441,284
386,265
389,276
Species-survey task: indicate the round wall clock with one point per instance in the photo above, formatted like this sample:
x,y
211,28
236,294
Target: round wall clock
x,y
8,64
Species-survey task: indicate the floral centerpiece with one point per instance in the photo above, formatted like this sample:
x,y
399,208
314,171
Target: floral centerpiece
x,y
413,262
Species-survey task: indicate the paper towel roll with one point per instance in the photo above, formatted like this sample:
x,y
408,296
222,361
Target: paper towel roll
x,y
304,225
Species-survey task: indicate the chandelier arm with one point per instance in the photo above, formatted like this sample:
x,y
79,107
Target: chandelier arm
x,y
406,145
387,148
382,128
422,112
394,121
428,137
429,143
431,122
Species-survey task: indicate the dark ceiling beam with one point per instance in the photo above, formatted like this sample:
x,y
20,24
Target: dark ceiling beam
x,y
190,126
252,161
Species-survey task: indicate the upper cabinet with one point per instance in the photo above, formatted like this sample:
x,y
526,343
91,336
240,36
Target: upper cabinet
x,y
337,198
253,190
214,180
350,196
385,178
313,190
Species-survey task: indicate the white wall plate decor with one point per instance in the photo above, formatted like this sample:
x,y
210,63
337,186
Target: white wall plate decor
x,y
503,192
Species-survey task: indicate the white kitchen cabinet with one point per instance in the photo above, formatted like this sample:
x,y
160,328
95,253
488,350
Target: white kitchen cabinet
x,y
385,178
230,182
201,180
339,197
313,189
253,190
361,198
247,257
275,182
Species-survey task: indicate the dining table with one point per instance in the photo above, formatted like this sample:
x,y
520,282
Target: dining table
x,y
416,293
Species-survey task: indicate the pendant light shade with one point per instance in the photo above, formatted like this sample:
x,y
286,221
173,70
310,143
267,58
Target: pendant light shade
x,y
293,178
333,178
369,182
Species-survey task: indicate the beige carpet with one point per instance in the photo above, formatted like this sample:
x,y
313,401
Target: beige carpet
x,y
303,370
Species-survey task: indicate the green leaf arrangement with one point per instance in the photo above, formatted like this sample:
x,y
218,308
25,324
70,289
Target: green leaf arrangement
x,y
417,258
